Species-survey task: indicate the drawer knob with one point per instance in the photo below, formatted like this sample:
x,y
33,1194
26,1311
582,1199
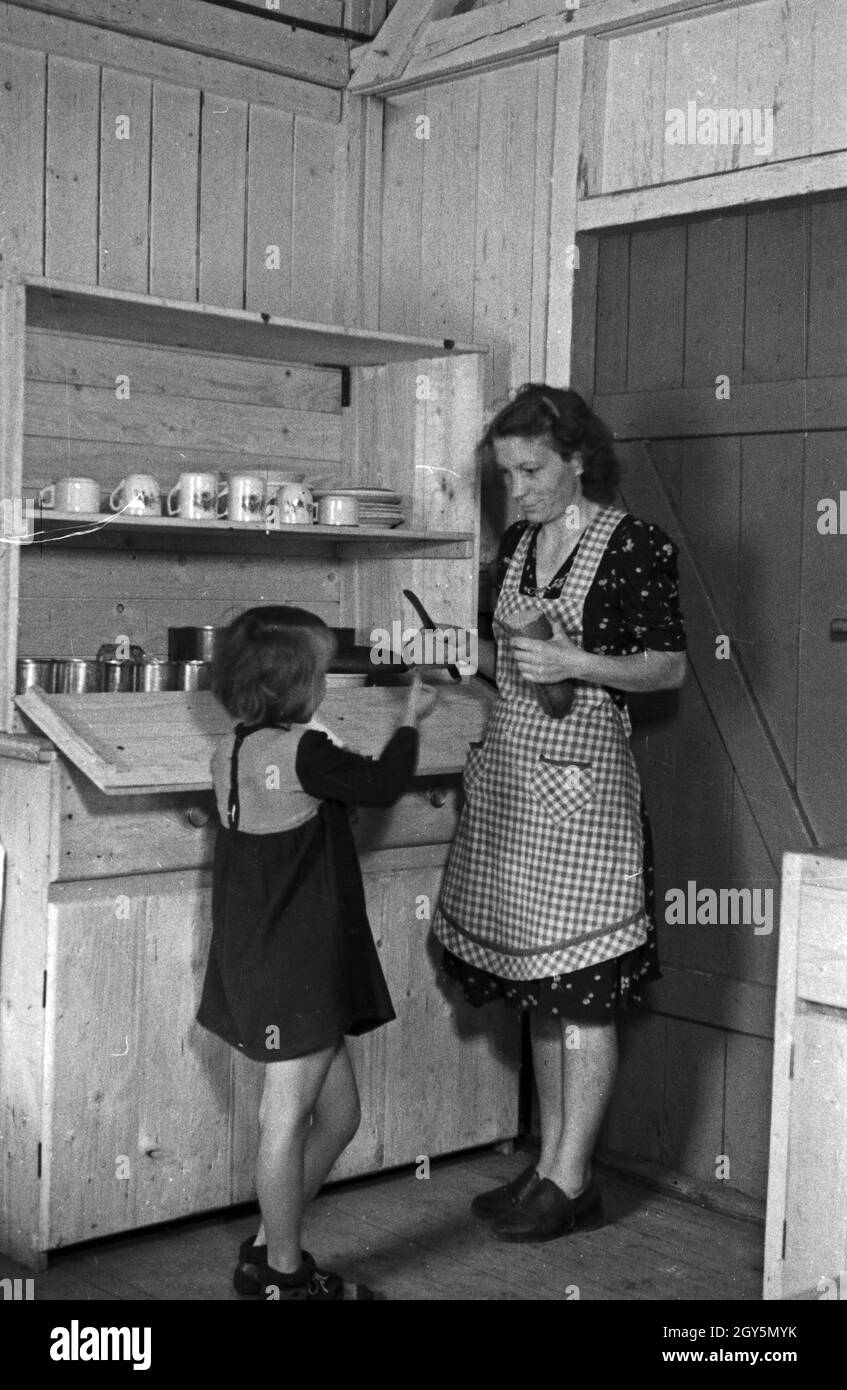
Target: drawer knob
x,y
438,796
198,816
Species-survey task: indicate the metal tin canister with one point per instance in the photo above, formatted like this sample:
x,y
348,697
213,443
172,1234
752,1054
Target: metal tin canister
x,y
193,643
74,676
154,674
117,677
34,670
194,675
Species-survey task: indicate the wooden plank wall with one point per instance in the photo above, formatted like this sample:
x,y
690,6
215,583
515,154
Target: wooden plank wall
x,y
214,175
748,295
787,55
150,167
466,223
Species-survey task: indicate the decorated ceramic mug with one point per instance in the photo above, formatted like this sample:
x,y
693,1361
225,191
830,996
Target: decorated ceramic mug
x,y
198,497
294,506
137,495
245,496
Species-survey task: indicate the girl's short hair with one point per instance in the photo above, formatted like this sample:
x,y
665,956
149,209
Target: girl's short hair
x,y
268,664
561,416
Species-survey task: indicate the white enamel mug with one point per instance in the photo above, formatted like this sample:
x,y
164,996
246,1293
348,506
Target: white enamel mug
x,y
294,506
72,495
137,495
197,495
245,496
338,511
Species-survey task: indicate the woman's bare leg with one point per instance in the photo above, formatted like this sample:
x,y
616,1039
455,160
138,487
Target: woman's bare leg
x,y
547,1064
588,1079
335,1120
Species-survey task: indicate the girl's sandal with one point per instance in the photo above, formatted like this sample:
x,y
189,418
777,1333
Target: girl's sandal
x,y
307,1282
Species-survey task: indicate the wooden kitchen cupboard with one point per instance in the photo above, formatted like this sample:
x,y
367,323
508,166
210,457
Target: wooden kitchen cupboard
x,y
116,1109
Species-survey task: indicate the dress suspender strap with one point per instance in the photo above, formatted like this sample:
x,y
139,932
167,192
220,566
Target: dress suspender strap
x,y
242,731
233,810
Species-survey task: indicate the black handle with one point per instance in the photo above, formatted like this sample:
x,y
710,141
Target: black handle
x,y
838,630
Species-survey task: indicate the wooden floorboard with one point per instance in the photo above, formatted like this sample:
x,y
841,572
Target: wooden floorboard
x,y
415,1240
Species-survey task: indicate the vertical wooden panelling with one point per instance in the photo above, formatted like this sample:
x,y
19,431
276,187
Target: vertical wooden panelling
x,y
223,175
769,594
748,1107
73,124
12,362
124,180
569,78
402,224
636,1116
714,305
504,234
23,76
821,747
693,1135
656,308
269,209
315,231
613,272
702,58
774,65
634,126
776,294
448,211
545,123
829,90
827,347
175,161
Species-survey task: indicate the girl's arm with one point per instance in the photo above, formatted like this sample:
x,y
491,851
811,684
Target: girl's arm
x,y
331,773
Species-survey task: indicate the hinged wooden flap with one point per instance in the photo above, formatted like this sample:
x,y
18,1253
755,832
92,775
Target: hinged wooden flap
x,y
164,742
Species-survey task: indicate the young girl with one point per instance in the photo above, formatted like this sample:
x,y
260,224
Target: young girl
x,y
292,965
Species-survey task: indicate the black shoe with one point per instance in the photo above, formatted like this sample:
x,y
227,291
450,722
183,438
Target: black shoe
x,y
546,1213
247,1279
502,1199
307,1282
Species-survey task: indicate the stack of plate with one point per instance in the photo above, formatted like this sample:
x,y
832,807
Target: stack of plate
x,y
378,506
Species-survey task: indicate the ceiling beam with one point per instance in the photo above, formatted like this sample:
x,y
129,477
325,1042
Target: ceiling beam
x,y
386,58
511,30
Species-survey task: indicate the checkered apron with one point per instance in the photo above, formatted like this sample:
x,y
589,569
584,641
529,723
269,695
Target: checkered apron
x,y
545,873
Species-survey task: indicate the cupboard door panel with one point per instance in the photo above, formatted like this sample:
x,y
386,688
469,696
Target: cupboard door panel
x,y
137,1120
184,1098
94,1065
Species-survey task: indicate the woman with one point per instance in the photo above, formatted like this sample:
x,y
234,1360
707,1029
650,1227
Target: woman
x,y
547,896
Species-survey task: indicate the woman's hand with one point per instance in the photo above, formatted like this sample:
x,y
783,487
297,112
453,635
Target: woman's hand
x,y
556,659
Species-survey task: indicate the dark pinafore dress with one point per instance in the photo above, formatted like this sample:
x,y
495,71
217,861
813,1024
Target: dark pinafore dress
x,y
292,963
547,898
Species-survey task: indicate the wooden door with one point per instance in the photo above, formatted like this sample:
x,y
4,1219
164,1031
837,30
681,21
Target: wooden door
x,y
718,354
806,1236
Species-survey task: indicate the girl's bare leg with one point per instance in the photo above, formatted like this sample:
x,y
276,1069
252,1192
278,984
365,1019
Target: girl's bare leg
x,y
289,1097
335,1120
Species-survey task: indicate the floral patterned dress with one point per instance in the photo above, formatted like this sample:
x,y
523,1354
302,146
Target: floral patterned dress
x,y
632,606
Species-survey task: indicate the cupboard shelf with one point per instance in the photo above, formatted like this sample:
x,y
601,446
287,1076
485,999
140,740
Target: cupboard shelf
x,y
97,530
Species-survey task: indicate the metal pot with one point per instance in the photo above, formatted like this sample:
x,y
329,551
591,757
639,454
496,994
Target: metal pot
x,y
194,675
117,677
34,670
193,643
73,676
154,674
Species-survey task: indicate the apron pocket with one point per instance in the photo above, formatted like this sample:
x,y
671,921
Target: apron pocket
x,y
562,788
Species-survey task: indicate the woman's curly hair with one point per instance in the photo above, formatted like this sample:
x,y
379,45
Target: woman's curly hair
x,y
562,416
